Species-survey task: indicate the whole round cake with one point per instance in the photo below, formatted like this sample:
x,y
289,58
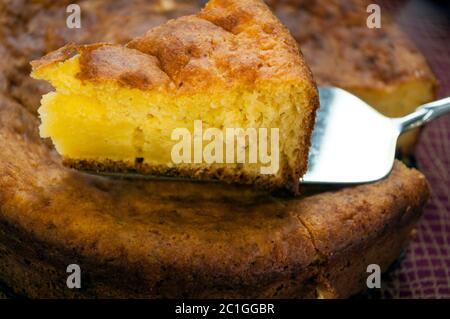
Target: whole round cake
x,y
160,238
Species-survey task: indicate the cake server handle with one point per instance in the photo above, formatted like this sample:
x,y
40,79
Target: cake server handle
x,y
423,114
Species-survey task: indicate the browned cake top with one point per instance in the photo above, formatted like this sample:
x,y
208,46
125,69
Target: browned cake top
x,y
341,50
333,35
229,42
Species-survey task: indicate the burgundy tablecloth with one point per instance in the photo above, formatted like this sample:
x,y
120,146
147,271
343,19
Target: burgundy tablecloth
x,y
424,271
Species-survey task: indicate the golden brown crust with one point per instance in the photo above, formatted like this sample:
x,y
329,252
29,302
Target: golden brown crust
x,y
129,67
229,42
60,55
356,231
341,50
230,175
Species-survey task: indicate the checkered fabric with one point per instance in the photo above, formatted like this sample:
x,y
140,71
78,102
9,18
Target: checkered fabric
x,y
424,271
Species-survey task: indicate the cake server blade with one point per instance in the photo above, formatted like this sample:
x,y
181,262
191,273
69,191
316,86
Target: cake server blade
x,y
352,143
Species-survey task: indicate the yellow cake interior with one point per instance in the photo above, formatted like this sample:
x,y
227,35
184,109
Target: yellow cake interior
x,y
103,120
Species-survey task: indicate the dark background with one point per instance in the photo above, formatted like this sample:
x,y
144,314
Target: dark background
x,y
424,271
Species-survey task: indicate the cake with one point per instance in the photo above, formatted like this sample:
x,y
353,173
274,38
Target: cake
x,y
380,65
223,94
162,238
184,239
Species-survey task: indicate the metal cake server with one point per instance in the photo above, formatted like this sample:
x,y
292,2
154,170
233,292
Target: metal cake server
x,y
353,143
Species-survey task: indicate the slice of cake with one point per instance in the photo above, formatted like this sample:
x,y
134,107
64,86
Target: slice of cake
x,y
224,94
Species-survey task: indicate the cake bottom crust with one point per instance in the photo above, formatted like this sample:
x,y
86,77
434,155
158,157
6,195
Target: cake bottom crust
x,y
201,173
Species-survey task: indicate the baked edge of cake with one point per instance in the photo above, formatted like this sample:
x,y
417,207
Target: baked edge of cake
x,y
332,271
